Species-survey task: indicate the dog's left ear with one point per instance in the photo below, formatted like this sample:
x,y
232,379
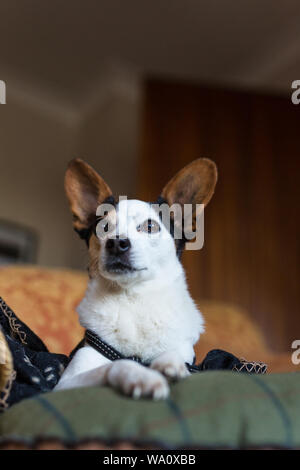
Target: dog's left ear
x,y
194,184
85,190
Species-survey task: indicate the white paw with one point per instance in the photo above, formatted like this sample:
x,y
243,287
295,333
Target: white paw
x,y
137,381
171,365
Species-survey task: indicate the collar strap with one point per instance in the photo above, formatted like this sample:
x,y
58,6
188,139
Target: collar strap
x,y
108,351
112,354
214,360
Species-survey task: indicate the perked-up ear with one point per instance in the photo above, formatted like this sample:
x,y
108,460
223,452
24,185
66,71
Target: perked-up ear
x,y
194,184
85,190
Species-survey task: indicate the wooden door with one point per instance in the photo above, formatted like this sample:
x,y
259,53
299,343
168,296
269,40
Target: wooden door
x,y
251,251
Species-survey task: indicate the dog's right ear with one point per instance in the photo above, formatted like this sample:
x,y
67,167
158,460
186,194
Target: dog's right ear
x,y
85,190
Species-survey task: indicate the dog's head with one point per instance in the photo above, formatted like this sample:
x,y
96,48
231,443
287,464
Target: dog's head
x,y
128,240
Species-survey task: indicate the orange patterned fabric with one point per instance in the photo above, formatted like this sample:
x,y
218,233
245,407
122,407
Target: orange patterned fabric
x,y
231,329
228,327
45,300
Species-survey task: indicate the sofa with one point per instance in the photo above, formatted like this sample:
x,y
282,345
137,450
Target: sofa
x,y
209,410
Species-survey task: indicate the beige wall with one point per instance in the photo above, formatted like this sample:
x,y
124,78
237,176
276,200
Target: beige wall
x,y
36,145
34,149
108,141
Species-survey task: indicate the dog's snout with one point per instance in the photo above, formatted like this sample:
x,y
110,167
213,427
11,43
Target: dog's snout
x,y
117,246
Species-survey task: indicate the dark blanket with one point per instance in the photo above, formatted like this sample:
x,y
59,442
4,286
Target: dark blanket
x,y
37,370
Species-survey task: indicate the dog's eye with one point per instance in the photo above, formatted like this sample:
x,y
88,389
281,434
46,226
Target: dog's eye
x,y
149,226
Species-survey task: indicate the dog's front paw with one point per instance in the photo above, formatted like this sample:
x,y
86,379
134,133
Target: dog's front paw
x,y
171,365
136,380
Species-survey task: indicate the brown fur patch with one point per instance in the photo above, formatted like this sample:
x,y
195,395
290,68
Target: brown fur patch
x,y
194,184
94,253
85,190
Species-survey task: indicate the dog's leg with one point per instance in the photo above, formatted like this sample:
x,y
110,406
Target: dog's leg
x,y
171,364
84,369
88,378
129,377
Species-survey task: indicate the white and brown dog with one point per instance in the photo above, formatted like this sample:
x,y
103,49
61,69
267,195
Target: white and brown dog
x,y
137,299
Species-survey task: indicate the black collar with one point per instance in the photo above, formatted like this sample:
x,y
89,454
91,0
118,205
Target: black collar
x,y
112,354
108,351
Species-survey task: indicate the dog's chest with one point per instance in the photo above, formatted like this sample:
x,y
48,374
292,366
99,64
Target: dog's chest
x,y
136,326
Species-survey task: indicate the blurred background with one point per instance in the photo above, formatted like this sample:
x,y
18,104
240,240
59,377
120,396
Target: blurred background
x,y
139,89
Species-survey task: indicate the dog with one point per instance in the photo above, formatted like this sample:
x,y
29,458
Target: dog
x,y
137,301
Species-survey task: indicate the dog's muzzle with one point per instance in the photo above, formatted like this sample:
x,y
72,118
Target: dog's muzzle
x,y
118,260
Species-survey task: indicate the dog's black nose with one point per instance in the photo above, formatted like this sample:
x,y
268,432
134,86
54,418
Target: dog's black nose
x,y
117,246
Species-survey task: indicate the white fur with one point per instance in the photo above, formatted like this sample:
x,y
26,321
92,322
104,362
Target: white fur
x,y
148,313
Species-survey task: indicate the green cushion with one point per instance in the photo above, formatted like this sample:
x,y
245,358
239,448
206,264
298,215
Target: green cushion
x,y
210,409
